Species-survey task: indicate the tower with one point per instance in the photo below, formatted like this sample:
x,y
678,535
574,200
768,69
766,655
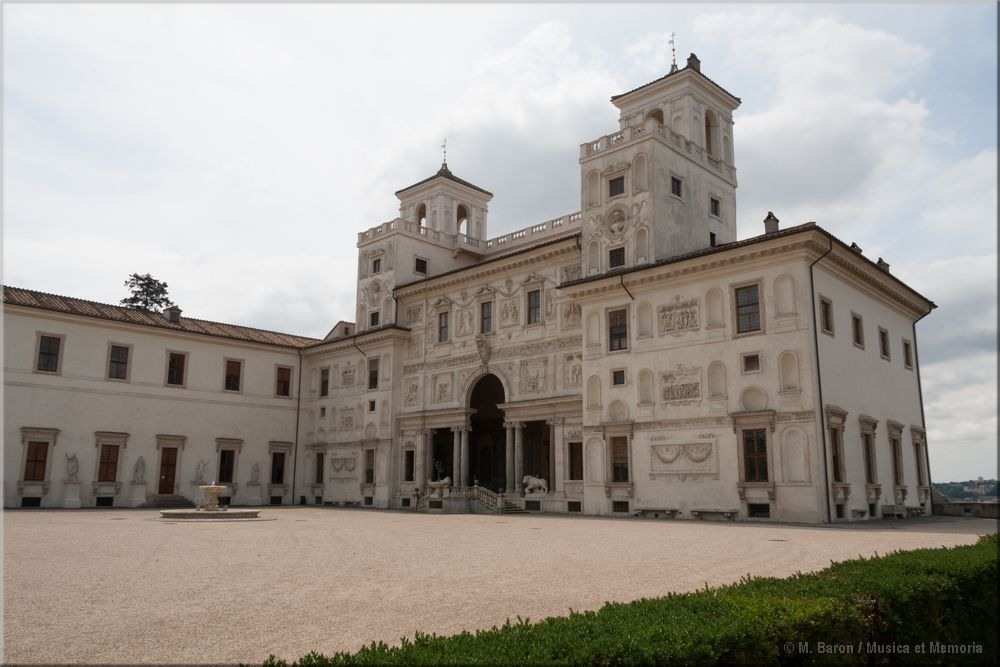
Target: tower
x,y
664,184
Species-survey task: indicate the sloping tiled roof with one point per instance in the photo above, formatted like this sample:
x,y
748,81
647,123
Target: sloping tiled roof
x,y
445,172
662,78
64,304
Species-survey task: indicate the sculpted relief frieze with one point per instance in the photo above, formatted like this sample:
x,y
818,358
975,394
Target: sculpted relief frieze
x,y
571,315
573,365
693,459
442,384
534,375
682,385
571,272
678,316
496,354
414,314
464,322
347,376
411,395
508,313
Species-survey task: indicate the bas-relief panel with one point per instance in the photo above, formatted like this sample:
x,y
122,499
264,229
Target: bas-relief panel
x,y
573,366
411,393
681,386
693,459
534,375
348,375
509,313
442,387
413,346
678,316
464,322
571,315
343,467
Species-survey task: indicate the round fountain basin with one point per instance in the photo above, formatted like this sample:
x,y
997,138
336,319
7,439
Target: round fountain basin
x,y
232,513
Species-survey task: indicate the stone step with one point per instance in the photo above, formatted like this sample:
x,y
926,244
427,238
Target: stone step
x,y
158,502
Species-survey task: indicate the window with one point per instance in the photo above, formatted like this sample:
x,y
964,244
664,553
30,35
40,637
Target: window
x,y
34,466
319,467
675,186
377,265
918,455
371,406
868,444
618,377
755,455
858,330
322,412
369,466
747,309
107,470
826,315
48,354
619,459
373,318
373,373
616,257
616,186
408,465
620,506
907,354
324,381
883,343
486,317
618,330
534,306
751,363
118,363
897,460
227,465
576,460
234,369
837,453
283,381
711,239
442,327
713,206
175,368
277,467
420,266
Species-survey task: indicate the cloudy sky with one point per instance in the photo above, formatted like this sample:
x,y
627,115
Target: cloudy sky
x,y
234,151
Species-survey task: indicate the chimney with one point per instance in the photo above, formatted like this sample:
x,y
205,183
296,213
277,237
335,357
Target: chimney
x,y
694,63
770,223
173,314
882,264
855,247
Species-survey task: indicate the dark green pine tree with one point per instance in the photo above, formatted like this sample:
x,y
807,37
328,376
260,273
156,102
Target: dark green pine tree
x,y
148,293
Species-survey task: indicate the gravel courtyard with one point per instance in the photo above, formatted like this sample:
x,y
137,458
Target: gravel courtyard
x,y
109,586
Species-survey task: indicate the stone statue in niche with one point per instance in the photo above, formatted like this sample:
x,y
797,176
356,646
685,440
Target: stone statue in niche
x,y
465,322
255,473
616,222
199,473
139,471
412,393
574,371
681,384
72,468
550,304
509,313
678,316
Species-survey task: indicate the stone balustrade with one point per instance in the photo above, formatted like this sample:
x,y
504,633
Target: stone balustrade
x,y
679,142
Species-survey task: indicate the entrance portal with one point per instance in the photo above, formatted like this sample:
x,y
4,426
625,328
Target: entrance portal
x,y
488,438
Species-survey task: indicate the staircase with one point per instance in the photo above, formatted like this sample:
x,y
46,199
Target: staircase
x,y
165,501
510,507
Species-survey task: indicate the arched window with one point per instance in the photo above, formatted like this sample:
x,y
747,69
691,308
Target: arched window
x,y
639,176
711,133
594,392
593,189
727,150
641,245
788,368
462,220
645,386
422,215
716,380
656,114
644,314
713,304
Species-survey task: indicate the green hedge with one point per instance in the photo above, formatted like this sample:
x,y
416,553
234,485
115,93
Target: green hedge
x,y
865,611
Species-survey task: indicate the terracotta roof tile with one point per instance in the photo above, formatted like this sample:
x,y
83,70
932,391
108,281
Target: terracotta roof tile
x,y
73,306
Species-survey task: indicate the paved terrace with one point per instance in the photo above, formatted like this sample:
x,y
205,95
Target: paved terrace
x,y
122,586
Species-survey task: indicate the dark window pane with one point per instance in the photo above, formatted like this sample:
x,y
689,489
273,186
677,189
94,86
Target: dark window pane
x,y
319,467
534,307
408,466
118,366
48,354
277,467
617,330
619,459
576,460
175,369
227,460
283,382
675,186
108,468
616,257
755,455
747,309
324,381
616,186
442,327
34,467
486,317
233,372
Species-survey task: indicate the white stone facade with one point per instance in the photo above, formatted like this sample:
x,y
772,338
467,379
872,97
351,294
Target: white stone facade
x,y
632,358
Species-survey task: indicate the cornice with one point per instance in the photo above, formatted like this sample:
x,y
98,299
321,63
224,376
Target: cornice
x,y
362,340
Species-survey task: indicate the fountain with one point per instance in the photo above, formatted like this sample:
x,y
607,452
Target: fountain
x,y
212,508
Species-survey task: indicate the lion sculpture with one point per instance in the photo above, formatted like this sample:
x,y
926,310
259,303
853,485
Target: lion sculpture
x,y
534,484
440,488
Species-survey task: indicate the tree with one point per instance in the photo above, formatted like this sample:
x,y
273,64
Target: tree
x,y
148,293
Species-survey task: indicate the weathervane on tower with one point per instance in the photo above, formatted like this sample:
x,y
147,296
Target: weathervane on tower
x,y
673,52
444,149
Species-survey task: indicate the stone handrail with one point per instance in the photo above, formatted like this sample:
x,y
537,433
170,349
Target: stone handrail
x,y
678,141
486,498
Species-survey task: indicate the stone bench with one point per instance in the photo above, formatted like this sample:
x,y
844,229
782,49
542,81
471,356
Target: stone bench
x,y
915,511
859,514
729,514
897,511
645,512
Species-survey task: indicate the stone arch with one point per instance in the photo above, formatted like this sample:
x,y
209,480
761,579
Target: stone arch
x,y
421,215
593,189
753,398
794,455
711,133
646,386
656,114
641,245
714,310
640,177
784,294
595,460
593,329
462,220
593,392
473,380
717,380
644,319
788,371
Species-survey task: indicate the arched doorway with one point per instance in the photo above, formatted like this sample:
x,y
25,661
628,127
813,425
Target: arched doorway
x,y
487,438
